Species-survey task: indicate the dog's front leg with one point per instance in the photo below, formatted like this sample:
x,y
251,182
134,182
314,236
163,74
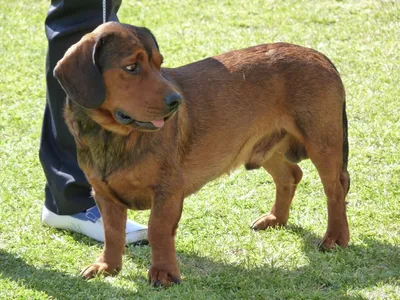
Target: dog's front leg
x,y
114,222
164,218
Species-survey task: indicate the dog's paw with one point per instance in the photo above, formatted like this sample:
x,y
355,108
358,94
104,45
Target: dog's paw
x,y
333,238
99,268
159,277
267,220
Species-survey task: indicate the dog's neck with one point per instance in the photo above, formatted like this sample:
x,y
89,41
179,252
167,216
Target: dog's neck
x,y
100,149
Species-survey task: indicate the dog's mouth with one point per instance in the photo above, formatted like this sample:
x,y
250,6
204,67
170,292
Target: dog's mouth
x,y
153,125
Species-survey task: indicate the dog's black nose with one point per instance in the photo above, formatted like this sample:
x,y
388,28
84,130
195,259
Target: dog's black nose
x,y
122,117
173,100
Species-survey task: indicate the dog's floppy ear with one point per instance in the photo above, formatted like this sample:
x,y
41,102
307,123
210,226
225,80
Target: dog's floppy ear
x,y
146,35
79,74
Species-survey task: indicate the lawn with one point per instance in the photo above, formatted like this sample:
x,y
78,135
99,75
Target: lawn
x,y
219,256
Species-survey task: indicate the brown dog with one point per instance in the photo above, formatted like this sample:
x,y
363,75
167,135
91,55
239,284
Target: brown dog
x,y
266,106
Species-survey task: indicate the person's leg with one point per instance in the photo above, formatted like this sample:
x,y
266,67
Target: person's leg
x,y
67,191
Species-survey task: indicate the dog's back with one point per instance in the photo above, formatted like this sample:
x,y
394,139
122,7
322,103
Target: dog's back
x,y
271,96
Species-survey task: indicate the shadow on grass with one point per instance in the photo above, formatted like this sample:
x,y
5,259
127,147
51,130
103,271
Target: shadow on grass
x,y
328,275
54,283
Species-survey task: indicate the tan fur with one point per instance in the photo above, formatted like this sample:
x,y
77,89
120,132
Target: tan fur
x,y
266,106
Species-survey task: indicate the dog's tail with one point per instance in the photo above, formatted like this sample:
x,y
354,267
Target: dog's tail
x,y
345,150
345,138
344,123
345,142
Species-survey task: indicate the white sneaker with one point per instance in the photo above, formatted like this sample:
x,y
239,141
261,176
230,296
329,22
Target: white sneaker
x,y
90,224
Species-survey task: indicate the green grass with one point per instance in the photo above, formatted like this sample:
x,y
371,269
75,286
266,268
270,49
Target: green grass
x,y
219,256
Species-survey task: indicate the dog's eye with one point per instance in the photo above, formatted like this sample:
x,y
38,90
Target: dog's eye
x,y
133,68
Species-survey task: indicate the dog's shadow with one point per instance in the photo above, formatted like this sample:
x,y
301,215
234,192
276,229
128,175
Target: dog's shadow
x,y
55,284
214,279
366,265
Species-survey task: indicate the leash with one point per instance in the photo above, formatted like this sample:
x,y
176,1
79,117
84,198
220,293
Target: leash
x,y
104,11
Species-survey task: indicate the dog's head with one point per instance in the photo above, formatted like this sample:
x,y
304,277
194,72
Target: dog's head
x,y
114,72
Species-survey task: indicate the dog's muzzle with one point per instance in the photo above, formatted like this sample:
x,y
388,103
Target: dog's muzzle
x,y
171,102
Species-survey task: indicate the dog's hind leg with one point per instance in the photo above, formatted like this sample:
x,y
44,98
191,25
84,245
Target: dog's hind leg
x,y
336,181
286,177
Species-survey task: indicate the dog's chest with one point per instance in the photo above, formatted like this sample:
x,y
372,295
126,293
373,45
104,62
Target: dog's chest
x,y
120,173
124,186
